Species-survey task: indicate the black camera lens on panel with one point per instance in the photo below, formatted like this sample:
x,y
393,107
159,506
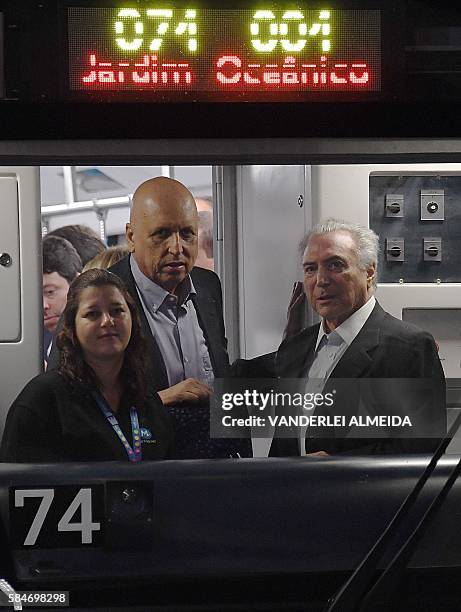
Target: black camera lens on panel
x,y
5,260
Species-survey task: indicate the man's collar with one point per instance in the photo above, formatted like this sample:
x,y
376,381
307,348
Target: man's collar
x,y
153,294
349,328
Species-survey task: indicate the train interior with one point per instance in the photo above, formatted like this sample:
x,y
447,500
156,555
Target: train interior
x,y
261,213
232,548
349,113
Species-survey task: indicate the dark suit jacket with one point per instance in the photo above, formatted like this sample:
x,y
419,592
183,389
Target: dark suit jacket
x,y
208,304
54,420
387,348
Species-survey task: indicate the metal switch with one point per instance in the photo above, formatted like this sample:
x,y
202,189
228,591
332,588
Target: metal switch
x,y
432,205
394,205
395,249
432,249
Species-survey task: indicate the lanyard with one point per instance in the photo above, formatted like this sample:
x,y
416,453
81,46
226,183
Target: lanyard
x,y
134,452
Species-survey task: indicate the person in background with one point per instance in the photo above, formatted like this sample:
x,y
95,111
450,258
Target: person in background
x,y
95,406
84,240
61,265
205,233
107,258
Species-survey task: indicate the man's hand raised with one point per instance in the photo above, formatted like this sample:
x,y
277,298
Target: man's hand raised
x,y
190,390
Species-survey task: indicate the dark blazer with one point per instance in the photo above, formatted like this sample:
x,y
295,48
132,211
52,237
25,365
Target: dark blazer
x,y
55,420
387,348
208,304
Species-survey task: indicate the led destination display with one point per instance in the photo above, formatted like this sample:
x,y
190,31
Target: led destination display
x,y
190,53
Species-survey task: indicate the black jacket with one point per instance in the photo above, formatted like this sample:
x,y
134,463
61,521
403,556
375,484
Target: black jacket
x,y
53,420
385,348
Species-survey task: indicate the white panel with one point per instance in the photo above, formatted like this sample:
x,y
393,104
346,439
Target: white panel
x,y
22,360
116,221
394,297
52,185
342,191
10,325
444,324
270,226
197,179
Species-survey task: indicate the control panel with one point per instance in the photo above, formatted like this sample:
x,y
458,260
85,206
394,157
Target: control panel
x,y
418,221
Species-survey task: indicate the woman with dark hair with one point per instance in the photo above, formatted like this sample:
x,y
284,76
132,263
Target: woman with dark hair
x,y
95,407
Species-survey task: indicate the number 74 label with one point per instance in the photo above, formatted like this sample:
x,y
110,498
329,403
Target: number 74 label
x,y
62,516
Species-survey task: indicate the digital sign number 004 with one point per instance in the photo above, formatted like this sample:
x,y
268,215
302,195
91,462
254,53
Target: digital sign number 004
x,y
58,517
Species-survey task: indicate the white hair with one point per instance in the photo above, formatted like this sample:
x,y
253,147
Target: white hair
x,y
366,240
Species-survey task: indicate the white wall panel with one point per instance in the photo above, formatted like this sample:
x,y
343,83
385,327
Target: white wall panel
x,y
343,191
10,325
270,226
21,358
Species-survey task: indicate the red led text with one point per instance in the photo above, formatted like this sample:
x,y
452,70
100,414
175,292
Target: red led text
x,y
147,72
233,71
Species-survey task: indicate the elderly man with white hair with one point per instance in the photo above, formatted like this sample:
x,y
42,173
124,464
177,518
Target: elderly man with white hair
x,y
356,339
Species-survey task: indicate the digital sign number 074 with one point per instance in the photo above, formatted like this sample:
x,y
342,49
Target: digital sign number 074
x,y
63,516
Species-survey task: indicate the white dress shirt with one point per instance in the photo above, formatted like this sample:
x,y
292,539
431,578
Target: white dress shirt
x,y
329,349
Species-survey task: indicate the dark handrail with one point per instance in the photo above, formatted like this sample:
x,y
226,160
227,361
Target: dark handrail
x,y
360,584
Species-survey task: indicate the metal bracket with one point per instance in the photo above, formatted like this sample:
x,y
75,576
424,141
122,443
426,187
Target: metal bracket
x,y
432,248
394,205
395,249
432,205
